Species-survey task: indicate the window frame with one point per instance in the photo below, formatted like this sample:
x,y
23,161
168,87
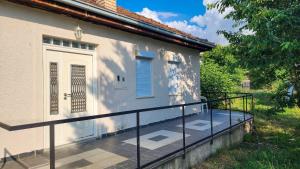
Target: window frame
x,y
61,42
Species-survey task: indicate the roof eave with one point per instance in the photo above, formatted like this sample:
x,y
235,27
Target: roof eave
x,y
114,15
115,20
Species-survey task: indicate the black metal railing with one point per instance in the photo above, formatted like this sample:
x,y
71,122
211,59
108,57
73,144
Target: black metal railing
x,y
214,95
210,137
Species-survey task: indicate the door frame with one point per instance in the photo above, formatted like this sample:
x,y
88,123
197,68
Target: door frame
x,y
47,47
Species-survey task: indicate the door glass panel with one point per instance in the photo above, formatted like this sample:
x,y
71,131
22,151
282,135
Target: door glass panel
x,y
53,88
78,88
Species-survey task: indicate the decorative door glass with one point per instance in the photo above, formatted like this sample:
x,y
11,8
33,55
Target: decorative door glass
x,y
54,102
78,88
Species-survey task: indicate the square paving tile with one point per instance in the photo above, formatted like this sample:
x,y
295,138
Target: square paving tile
x,y
200,125
158,138
148,142
77,164
89,159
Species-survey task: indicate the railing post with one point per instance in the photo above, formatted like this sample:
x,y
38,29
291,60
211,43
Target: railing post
x,y
138,147
183,130
52,146
252,104
246,104
230,117
252,107
211,124
225,101
244,113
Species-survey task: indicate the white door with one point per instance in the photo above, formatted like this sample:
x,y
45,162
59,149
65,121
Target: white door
x,y
69,94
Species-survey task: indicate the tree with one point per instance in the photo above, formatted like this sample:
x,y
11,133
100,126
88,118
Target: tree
x,y
273,49
220,71
215,78
223,57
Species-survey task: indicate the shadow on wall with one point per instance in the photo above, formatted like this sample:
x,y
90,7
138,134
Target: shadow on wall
x,y
190,87
110,96
6,154
115,97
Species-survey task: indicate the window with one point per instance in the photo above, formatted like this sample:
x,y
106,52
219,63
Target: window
x,y
143,77
83,46
47,40
56,41
174,78
67,43
91,47
75,44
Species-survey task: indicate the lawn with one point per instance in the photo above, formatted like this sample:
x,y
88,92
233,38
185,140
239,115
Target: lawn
x,y
274,145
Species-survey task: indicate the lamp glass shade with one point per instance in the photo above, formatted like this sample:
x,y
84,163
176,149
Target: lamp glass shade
x,y
78,32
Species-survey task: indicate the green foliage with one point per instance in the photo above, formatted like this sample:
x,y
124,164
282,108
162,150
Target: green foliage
x,y
220,71
215,78
279,94
274,146
272,50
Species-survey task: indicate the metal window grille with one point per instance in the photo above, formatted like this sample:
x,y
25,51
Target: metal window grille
x,y
78,88
54,103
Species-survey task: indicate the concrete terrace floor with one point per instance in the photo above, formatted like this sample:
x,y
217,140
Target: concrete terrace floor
x,y
119,151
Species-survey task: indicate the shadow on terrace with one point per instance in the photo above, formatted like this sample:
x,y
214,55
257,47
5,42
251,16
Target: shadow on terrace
x,y
129,139
156,141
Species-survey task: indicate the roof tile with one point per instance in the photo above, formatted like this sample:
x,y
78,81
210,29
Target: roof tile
x,y
135,16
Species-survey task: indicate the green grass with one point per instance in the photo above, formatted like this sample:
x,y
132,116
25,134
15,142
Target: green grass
x,y
276,144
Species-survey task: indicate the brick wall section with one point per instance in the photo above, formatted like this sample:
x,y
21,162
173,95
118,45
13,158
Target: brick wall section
x,y
107,4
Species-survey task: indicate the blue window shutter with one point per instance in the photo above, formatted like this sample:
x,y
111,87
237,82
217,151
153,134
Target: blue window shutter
x,y
145,54
143,77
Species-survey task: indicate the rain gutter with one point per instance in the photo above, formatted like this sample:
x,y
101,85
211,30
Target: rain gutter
x,y
122,18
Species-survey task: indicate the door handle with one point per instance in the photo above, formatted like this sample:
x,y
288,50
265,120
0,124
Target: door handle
x,y
67,95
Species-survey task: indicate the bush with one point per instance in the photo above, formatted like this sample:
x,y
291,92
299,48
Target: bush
x,y
280,97
220,72
215,78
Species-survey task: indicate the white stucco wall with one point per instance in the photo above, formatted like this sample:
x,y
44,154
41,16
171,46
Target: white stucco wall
x,y
21,72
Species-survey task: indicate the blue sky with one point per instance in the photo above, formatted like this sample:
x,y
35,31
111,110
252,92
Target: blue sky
x,y
190,16
184,8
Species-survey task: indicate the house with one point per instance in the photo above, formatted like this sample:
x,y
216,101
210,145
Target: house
x,y
71,58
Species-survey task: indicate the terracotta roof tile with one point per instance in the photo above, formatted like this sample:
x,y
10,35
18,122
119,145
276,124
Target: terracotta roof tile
x,y
149,21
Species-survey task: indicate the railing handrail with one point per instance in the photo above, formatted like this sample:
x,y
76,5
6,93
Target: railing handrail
x,y
137,112
55,122
225,92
